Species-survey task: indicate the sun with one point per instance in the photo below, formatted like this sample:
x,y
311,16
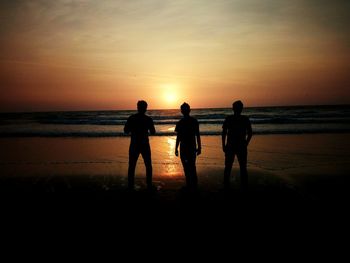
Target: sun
x,y
170,95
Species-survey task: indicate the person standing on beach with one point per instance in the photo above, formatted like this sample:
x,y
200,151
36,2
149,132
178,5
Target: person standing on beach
x,y
238,130
189,139
139,125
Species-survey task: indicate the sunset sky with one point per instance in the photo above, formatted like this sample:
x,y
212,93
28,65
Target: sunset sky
x,y
91,54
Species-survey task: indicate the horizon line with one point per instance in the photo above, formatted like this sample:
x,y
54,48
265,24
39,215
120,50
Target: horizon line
x,y
159,109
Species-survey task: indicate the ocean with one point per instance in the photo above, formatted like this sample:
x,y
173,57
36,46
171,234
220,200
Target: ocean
x,y
265,120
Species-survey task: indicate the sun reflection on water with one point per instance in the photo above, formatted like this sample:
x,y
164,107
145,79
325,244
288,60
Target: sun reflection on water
x,y
172,163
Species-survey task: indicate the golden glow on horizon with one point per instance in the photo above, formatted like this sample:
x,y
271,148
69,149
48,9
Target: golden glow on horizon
x,y
101,55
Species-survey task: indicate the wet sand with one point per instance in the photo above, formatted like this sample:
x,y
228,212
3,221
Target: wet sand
x,y
296,167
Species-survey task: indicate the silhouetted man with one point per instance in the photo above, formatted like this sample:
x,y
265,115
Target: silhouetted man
x,y
238,130
188,137
139,125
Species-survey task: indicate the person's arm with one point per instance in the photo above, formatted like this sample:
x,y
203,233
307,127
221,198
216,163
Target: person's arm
x,y
177,145
223,136
152,130
199,145
127,126
249,132
177,140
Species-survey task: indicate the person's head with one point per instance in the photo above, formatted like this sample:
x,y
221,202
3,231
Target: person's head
x,y
237,107
185,109
142,106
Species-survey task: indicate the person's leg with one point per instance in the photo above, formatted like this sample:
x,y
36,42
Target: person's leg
x,y
147,158
185,164
242,160
229,158
133,156
193,171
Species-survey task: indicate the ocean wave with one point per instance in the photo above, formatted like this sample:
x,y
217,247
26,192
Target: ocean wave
x,y
273,120
265,120
120,134
263,115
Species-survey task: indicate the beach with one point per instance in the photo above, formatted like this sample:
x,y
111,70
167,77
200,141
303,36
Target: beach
x,y
309,167
297,184
78,77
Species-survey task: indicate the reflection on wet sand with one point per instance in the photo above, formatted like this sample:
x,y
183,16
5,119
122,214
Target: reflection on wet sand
x,y
314,164
164,159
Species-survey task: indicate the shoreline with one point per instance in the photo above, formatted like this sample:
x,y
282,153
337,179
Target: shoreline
x,y
122,135
307,167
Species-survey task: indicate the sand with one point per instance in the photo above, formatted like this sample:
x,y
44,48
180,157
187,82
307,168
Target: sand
x,y
303,166
297,184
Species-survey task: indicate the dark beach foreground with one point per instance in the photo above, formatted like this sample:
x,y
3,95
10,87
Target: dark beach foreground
x,y
287,173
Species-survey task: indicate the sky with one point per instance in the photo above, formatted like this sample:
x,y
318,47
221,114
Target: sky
x,y
106,55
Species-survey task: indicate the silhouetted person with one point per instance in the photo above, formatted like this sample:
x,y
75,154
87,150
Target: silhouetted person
x,y
139,125
188,137
238,130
